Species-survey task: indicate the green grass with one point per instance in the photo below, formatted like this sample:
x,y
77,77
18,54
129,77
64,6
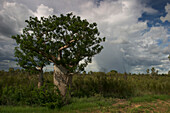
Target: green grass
x,y
146,98
88,103
78,104
93,104
24,109
162,97
149,98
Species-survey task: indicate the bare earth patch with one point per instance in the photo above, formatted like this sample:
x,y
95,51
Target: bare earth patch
x,y
124,106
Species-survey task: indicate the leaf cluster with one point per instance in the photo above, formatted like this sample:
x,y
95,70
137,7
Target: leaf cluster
x,y
63,40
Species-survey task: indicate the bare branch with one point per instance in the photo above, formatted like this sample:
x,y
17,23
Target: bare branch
x,y
66,46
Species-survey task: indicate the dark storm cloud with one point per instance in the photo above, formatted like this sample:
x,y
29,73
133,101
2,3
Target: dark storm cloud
x,y
6,28
145,61
12,20
112,59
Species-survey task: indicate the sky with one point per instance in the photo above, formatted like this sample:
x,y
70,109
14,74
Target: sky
x,y
137,31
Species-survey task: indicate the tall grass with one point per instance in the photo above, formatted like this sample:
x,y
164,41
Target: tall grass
x,y
118,86
21,88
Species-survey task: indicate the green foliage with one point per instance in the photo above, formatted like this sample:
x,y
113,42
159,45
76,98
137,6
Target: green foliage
x,y
21,95
21,88
63,40
100,83
112,72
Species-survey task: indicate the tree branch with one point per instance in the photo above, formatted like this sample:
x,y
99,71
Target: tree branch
x,y
66,46
51,59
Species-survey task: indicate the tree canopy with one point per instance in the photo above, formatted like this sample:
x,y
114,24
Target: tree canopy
x,y
30,60
63,40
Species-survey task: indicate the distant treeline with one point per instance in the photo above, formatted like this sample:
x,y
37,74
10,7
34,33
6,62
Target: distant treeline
x,y
151,72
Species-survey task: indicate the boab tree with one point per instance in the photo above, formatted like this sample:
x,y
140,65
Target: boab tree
x,y
63,40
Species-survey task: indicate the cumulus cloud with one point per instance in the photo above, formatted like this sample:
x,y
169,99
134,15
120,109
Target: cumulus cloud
x,y
12,20
43,10
130,44
118,21
167,17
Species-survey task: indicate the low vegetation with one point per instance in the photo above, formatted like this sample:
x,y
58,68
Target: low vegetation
x,y
96,91
156,103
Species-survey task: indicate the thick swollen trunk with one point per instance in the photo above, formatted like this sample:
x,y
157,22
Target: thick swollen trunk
x,y
62,80
41,78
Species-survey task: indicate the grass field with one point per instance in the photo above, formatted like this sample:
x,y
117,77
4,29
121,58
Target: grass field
x,y
146,104
94,92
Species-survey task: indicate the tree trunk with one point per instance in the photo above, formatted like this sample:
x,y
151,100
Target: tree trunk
x,y
62,79
41,78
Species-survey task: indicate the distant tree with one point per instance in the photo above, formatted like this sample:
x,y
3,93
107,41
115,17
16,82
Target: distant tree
x,y
169,73
112,72
17,71
153,71
156,72
147,71
64,41
90,72
169,57
11,70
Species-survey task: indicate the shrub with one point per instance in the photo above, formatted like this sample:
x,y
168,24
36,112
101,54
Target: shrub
x,y
21,95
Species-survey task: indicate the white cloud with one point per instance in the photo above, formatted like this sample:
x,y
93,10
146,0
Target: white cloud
x,y
118,21
150,10
167,17
93,66
130,45
43,10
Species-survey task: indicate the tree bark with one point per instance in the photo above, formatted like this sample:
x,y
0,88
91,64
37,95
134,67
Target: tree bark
x,y
41,78
62,79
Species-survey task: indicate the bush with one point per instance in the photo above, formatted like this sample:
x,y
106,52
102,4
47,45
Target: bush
x,y
21,95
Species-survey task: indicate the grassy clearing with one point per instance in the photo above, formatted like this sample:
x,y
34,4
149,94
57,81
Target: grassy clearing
x,y
147,104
